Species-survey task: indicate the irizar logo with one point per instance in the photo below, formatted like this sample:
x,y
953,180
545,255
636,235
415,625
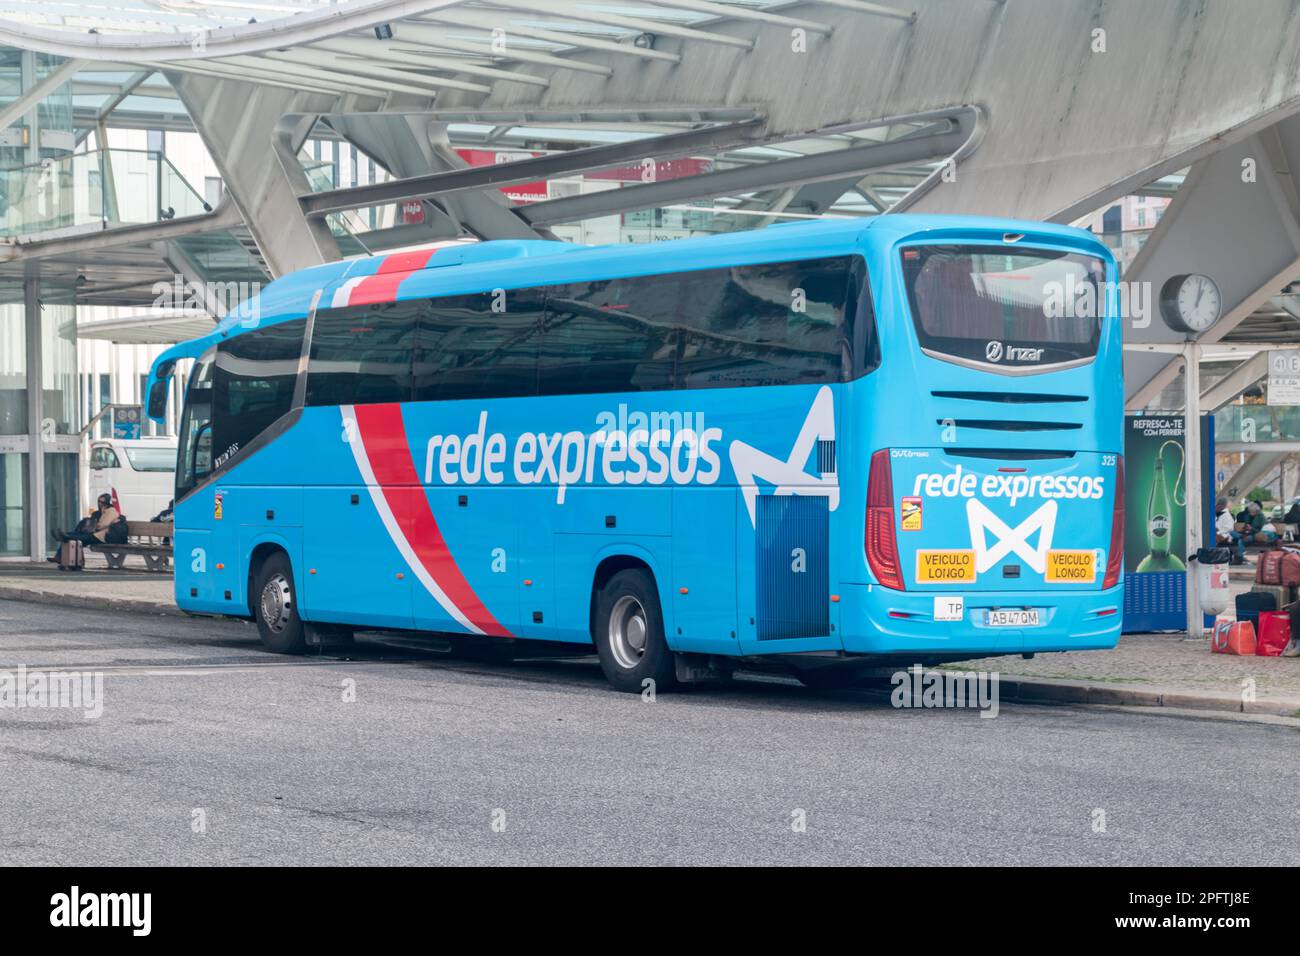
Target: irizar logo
x,y
1009,540
789,475
995,351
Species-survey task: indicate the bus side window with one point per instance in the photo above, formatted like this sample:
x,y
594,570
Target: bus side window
x,y
615,335
362,354
482,345
776,324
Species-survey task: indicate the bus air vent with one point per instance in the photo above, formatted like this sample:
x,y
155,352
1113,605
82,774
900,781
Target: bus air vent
x,y
1010,398
793,566
826,457
1008,454
1008,426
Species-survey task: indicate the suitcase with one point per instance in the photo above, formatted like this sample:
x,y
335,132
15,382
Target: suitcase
x,y
72,556
1233,637
1259,598
1273,633
1268,570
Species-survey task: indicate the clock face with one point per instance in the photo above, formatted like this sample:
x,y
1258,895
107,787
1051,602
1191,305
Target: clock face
x,y
1190,303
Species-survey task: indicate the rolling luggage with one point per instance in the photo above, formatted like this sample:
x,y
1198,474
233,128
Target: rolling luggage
x,y
1281,594
72,556
1233,637
1252,602
1273,633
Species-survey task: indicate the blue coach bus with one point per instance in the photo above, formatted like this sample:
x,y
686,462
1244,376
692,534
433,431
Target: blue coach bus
x,y
818,444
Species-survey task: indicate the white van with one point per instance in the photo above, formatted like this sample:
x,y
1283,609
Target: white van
x,y
141,472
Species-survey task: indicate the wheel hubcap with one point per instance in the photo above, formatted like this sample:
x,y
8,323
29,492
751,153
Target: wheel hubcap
x,y
277,603
628,631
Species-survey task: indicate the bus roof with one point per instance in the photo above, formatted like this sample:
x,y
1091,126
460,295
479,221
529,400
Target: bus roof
x,y
420,273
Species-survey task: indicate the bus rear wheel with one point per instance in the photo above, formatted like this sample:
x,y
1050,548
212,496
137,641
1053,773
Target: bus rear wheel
x,y
275,607
629,634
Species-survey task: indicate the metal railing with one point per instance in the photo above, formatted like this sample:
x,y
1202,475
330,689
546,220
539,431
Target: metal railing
x,y
94,189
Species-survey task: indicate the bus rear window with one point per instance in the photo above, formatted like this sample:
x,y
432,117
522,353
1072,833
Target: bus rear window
x,y
1007,311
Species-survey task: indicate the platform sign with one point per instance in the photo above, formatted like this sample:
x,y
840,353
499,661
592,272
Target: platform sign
x,y
127,421
1284,377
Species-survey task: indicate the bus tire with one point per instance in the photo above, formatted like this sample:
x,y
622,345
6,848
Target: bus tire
x,y
629,634
275,607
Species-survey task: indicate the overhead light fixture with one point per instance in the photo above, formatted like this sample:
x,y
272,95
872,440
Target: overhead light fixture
x,y
384,31
645,41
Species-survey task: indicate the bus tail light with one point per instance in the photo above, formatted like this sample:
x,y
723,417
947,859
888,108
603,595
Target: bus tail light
x,y
1115,556
881,543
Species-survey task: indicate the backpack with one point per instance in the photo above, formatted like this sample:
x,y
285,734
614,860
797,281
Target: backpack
x,y
116,533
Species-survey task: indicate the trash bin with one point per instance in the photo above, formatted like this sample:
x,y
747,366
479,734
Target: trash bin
x,y
1211,569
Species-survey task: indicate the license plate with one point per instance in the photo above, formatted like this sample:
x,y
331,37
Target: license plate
x,y
1017,617
949,608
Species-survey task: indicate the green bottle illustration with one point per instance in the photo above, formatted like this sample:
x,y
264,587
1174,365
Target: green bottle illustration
x,y
1160,518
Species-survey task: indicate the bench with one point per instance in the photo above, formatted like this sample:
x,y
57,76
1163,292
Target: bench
x,y
145,538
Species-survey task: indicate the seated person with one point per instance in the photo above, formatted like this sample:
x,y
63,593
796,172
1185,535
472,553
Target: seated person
x,y
1250,523
1292,517
1225,533
94,530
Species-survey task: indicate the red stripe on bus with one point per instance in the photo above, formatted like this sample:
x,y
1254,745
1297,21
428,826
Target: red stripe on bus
x,y
382,286
384,437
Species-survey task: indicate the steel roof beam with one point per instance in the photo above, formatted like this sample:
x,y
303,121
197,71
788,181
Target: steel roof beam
x,y
354,46
871,9
526,170
432,36
246,73
316,23
399,80
569,11
736,12
484,20
787,172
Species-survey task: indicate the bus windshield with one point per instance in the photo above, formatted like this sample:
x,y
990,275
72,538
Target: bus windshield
x,y
1029,308
194,462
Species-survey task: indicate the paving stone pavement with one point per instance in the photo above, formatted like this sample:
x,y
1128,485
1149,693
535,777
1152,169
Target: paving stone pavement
x,y
1168,660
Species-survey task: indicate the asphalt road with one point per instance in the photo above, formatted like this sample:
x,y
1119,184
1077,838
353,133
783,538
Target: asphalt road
x,y
437,761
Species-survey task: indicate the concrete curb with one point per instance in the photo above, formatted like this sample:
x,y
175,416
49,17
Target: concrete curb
x,y
92,601
1038,690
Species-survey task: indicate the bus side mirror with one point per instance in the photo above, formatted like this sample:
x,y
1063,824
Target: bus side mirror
x,y
158,399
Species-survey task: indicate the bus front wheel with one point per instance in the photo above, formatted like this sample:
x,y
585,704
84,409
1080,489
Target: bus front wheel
x,y
275,606
629,634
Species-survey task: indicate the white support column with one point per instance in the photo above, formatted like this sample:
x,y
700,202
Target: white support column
x,y
35,415
1192,480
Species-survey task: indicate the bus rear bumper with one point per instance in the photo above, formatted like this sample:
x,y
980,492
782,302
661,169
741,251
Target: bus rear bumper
x,y
877,620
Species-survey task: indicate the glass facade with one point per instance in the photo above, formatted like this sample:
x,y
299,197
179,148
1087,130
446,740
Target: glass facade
x,y
13,504
38,458
13,361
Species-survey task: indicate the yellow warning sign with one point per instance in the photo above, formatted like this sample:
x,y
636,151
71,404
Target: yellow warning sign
x,y
216,506
1071,567
945,567
911,514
